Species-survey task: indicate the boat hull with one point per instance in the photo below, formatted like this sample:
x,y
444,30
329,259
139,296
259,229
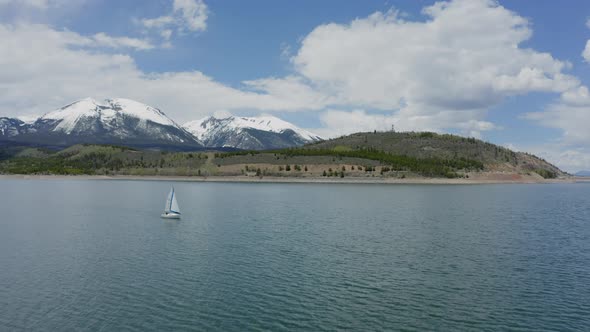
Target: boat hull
x,y
170,216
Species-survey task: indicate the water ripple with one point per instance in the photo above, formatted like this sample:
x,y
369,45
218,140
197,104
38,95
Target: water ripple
x,y
294,257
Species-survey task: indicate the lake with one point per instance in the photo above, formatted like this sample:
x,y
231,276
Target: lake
x,y
95,255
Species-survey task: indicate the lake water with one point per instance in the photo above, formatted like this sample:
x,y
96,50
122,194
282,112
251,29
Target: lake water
x,y
95,255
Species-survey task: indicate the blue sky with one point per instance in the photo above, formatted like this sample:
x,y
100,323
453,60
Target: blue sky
x,y
511,72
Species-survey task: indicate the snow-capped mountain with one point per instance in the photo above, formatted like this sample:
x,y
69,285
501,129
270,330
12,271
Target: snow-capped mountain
x,y
127,122
113,121
250,133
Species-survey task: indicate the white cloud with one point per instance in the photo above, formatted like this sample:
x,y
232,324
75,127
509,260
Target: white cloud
x,y
166,34
186,15
571,114
294,93
194,14
285,51
586,52
38,4
465,59
21,38
338,122
467,54
103,40
42,69
569,159
158,22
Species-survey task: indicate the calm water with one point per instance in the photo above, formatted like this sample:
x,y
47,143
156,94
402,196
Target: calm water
x,y
94,255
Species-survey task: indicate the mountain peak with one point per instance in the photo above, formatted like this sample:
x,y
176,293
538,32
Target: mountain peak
x,y
117,120
70,115
265,123
262,132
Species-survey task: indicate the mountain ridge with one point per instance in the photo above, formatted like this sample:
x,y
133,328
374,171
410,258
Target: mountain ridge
x,y
249,133
122,121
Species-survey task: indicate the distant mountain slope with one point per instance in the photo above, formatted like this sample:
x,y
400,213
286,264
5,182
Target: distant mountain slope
x,y
583,173
10,127
114,121
451,147
249,133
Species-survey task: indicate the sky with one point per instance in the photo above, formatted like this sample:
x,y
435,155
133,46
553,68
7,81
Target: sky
x,y
511,72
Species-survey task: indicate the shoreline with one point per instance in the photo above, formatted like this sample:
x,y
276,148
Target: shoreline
x,y
270,179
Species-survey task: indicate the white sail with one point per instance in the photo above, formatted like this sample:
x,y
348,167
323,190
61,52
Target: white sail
x,y
174,208
171,210
169,201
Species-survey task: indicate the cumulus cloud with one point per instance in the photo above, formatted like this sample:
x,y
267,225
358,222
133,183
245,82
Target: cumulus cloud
x,y
466,56
442,73
570,114
44,68
186,15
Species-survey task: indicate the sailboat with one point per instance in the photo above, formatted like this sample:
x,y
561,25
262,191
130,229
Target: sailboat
x,y
171,210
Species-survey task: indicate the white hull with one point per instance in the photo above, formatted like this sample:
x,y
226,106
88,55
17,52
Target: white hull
x,y
170,215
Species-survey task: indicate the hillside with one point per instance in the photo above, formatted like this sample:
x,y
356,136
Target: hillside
x,y
424,145
388,155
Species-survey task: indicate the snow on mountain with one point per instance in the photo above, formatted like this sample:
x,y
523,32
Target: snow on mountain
x,y
70,115
112,121
210,125
28,119
272,124
127,122
265,132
